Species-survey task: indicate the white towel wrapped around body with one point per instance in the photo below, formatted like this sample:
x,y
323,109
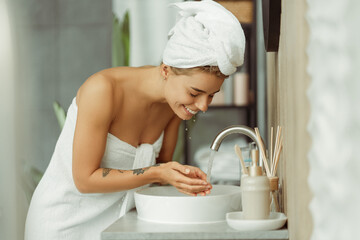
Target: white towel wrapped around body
x,y
58,211
206,34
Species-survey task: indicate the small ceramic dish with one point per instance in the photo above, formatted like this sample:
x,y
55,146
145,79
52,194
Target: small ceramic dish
x,y
275,221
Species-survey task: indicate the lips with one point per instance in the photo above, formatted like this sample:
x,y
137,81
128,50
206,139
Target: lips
x,y
190,111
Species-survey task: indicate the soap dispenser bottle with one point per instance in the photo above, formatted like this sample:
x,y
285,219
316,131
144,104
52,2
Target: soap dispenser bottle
x,y
255,191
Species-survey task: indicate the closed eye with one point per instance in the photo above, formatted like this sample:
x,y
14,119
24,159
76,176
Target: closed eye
x,y
202,91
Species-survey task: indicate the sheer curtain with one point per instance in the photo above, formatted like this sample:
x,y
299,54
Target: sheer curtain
x,y
334,125
9,186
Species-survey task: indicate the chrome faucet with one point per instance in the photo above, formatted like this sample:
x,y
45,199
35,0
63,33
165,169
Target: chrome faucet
x,y
234,129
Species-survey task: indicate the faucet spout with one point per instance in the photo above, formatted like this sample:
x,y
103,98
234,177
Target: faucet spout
x,y
234,129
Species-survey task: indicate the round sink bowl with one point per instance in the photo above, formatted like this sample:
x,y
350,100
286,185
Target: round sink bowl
x,y
165,204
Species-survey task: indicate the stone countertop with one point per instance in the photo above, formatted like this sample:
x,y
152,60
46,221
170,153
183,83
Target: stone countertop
x,y
129,227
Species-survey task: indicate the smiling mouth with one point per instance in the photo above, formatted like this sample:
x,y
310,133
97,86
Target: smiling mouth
x,y
190,111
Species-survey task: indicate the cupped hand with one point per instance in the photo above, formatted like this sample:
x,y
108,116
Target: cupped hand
x,y
187,179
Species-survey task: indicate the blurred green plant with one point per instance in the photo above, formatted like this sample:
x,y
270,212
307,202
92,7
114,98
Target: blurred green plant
x,y
31,175
121,41
60,114
30,179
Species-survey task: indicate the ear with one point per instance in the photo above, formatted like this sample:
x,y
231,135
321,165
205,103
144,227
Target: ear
x,y
165,71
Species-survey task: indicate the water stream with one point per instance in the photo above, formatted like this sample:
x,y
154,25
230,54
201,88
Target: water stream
x,y
211,159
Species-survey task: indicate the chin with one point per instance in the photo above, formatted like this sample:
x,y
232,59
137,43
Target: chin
x,y
188,118
182,114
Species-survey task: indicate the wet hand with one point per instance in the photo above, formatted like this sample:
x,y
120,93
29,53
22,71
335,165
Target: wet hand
x,y
196,173
187,179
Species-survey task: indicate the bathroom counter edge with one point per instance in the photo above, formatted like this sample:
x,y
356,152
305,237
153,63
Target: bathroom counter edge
x,y
130,227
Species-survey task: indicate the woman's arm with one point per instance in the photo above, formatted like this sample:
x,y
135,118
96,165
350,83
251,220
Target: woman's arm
x,y
170,140
167,151
187,179
95,114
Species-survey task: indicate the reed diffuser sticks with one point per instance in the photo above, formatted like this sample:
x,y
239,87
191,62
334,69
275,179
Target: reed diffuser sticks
x,y
262,152
273,160
275,151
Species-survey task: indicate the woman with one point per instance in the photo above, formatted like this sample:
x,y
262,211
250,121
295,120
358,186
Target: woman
x,y
124,119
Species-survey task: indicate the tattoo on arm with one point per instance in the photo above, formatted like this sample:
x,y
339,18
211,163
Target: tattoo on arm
x,y
139,171
142,170
106,171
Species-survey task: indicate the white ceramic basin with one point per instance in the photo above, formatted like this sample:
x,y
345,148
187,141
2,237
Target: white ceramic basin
x,y
165,204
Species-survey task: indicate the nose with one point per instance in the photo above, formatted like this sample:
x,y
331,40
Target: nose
x,y
202,104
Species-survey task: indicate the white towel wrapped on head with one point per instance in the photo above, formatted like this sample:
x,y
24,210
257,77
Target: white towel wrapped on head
x,y
206,34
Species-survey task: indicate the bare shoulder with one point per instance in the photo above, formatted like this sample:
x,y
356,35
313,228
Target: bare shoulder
x,y
98,82
96,97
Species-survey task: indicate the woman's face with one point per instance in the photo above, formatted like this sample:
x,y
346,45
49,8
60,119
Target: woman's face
x,y
189,94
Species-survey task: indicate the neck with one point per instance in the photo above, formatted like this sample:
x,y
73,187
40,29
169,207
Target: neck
x,y
152,84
